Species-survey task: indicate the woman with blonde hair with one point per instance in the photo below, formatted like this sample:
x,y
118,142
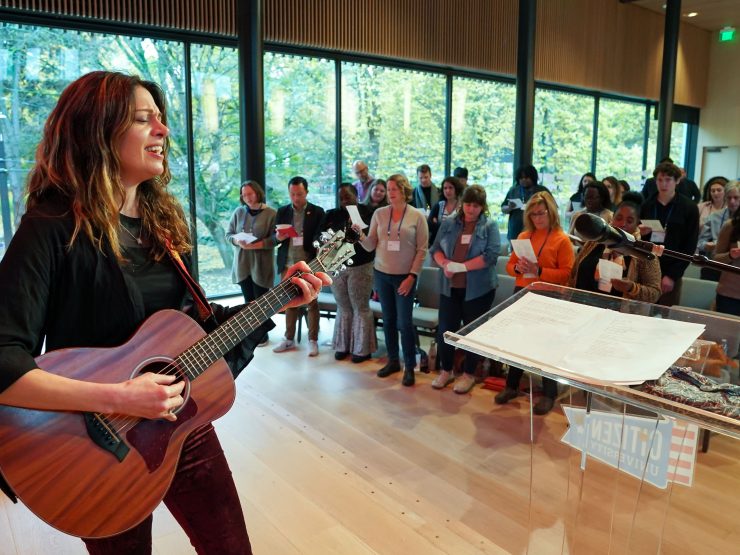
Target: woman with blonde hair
x,y
553,264
399,235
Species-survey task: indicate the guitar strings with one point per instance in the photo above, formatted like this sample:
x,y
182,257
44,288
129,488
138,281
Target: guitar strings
x,y
127,422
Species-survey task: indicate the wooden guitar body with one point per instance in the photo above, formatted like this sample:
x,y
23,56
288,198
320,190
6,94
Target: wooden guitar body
x,y
69,480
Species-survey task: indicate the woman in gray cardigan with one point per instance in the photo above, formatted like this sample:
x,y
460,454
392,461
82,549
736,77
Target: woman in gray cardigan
x,y
250,231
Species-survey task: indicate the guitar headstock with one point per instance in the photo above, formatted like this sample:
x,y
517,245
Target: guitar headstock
x,y
334,251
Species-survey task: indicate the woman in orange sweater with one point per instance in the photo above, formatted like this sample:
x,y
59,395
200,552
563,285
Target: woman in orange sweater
x,y
554,262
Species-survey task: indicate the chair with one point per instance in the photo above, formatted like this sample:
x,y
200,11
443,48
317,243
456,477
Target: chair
x,y
693,271
501,263
426,314
697,293
505,288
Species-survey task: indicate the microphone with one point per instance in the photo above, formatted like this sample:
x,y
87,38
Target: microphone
x,y
592,228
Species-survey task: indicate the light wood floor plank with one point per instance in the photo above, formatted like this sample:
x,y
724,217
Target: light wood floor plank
x,y
330,459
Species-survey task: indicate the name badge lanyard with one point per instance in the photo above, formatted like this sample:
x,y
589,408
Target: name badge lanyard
x,y
539,252
250,220
668,218
390,219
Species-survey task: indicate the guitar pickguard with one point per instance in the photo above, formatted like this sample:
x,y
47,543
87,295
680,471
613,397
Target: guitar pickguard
x,y
151,437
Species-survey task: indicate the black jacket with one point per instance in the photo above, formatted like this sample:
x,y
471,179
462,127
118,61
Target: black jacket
x,y
338,219
73,297
311,230
682,231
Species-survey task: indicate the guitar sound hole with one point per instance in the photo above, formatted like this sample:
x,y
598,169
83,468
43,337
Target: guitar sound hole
x,y
163,365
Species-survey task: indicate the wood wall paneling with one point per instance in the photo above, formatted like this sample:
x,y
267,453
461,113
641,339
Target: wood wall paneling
x,y
601,45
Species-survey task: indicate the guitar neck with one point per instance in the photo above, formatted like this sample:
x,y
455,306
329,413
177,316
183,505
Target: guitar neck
x,y
196,359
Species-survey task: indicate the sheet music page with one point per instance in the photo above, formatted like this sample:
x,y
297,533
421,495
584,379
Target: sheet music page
x,y
586,341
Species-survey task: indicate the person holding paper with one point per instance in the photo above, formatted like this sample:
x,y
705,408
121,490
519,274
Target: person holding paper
x,y
710,230
296,229
575,202
728,251
446,207
679,217
354,327
399,235
634,278
250,231
466,248
551,261
526,185
597,201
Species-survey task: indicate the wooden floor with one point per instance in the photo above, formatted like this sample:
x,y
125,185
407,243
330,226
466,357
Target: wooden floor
x,y
330,459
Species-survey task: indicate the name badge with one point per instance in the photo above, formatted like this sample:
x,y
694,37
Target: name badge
x,y
394,246
465,239
658,237
297,241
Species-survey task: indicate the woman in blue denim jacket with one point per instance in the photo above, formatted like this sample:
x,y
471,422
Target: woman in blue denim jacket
x,y
466,248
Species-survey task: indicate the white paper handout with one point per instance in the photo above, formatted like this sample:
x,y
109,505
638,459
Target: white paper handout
x,y
516,204
354,215
244,236
608,270
655,225
523,249
583,341
456,267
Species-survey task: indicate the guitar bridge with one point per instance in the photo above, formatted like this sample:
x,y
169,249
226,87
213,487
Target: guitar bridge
x,y
104,435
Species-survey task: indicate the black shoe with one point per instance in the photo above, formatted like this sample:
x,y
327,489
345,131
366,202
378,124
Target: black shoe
x,y
340,355
505,395
360,358
543,405
408,377
392,367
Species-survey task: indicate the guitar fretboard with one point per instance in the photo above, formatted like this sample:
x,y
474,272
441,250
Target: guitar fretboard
x,y
197,358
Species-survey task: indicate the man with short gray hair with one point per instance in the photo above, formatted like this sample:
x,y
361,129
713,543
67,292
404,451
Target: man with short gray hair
x,y
364,180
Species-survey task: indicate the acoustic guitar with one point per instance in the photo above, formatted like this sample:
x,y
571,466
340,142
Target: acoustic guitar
x,y
96,475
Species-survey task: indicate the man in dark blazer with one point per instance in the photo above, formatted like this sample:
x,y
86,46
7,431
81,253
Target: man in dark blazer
x,y
296,244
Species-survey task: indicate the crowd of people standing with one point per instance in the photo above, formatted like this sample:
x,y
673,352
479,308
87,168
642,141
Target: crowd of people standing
x,y
450,226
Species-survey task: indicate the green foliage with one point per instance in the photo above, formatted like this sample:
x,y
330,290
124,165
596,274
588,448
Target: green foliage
x,y
300,108
620,142
392,119
563,132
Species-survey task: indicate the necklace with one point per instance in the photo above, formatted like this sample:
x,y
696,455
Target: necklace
x,y
134,237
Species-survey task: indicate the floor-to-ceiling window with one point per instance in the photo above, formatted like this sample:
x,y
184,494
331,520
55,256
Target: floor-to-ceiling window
x,y
217,166
621,138
36,63
394,119
563,137
483,116
300,133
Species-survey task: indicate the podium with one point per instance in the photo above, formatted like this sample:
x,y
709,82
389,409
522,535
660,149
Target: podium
x,y
615,468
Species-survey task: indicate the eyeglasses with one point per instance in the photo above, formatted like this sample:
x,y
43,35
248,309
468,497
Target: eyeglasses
x,y
538,214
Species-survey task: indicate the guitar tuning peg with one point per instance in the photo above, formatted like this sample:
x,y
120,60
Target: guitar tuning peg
x,y
342,268
349,262
316,244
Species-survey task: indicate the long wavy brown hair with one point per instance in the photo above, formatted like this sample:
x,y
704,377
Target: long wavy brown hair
x,y
78,157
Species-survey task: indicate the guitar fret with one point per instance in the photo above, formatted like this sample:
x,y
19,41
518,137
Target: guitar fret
x,y
210,348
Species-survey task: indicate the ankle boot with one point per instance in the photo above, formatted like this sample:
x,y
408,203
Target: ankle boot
x,y
408,377
392,367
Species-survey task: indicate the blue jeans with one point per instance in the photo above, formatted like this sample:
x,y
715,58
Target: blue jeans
x,y
397,316
454,313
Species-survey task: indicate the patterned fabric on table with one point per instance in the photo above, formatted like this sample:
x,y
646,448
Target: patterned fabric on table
x,y
690,388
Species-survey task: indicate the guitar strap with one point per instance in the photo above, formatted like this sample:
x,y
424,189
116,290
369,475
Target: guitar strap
x,y
201,303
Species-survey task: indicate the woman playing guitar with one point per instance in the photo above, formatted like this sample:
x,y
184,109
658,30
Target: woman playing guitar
x,y
95,254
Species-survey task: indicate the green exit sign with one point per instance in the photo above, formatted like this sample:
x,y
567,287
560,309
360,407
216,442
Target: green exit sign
x,y
727,34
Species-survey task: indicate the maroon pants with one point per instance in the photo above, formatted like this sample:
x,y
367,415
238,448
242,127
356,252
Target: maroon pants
x,y
202,498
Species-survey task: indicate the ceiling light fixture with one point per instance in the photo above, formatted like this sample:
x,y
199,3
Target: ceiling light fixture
x,y
692,14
